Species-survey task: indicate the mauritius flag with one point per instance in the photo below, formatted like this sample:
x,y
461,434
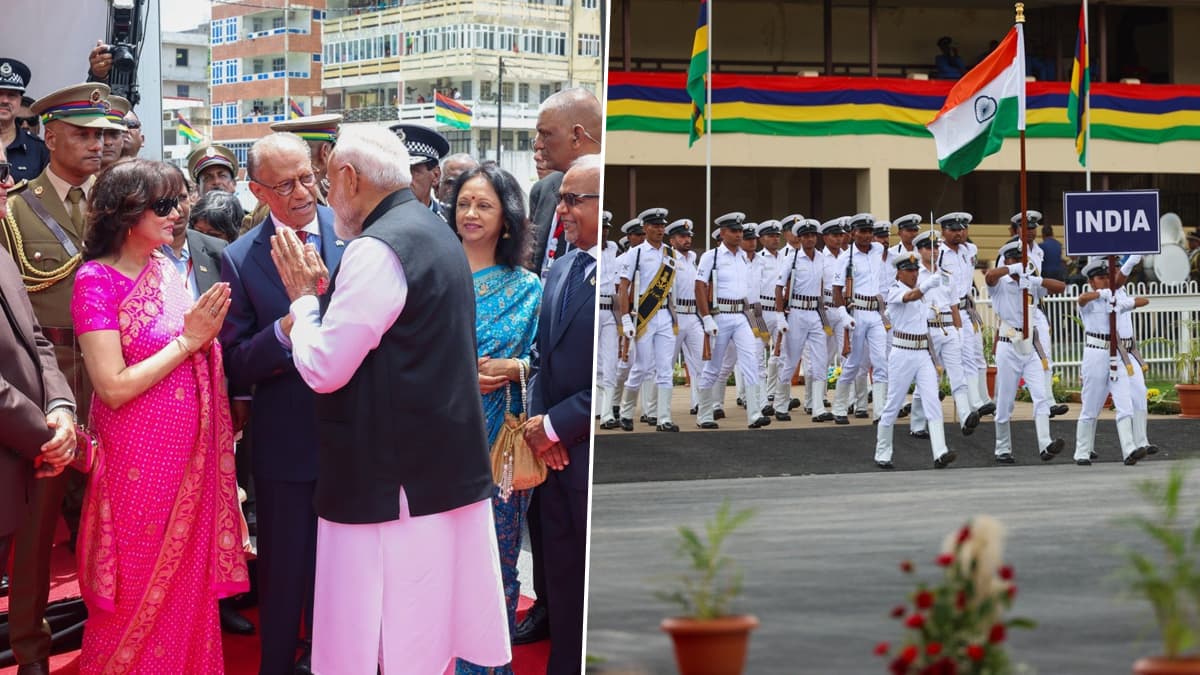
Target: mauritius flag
x,y
185,129
450,112
295,109
698,75
1077,97
986,105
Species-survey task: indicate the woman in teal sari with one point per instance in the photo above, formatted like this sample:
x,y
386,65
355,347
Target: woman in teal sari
x,y
488,212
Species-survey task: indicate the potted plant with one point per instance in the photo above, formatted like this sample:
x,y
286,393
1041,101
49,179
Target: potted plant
x,y
957,624
709,639
1187,362
1169,581
989,355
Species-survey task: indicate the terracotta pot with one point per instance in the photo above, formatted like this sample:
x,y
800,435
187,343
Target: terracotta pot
x,y
991,381
713,646
1160,665
1189,400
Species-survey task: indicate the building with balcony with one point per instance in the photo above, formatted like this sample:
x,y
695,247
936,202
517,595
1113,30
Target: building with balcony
x,y
820,108
185,88
266,57
385,62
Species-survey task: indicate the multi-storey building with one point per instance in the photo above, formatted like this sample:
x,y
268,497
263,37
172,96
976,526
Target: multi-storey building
x,y
384,62
266,62
185,88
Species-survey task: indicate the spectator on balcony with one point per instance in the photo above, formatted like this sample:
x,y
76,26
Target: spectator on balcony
x,y
426,148
948,65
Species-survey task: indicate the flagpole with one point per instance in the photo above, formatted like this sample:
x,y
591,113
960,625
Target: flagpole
x,y
1087,106
708,115
1024,199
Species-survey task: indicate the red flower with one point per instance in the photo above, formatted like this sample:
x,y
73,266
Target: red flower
x,y
975,652
906,566
941,667
915,621
964,534
924,600
945,559
882,649
996,635
961,600
898,611
1012,593
933,648
909,654
1006,572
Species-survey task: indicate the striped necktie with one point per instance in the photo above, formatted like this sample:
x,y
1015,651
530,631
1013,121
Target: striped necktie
x,y
573,281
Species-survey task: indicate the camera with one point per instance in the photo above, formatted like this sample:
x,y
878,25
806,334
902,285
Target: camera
x,y
123,55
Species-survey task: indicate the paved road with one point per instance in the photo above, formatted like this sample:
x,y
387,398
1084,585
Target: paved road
x,y
821,555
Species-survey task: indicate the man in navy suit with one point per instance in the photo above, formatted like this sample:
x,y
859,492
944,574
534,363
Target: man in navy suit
x,y
258,365
560,408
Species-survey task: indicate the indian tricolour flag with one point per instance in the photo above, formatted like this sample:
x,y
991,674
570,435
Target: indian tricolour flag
x,y
986,105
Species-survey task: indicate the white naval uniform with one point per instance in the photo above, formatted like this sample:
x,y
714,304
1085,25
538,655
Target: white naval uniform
x,y
732,290
1012,366
836,343
909,361
1137,382
607,343
806,337
868,340
768,265
947,345
1102,376
654,359
690,339
960,265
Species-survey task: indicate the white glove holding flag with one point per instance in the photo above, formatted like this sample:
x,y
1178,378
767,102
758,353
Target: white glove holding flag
x,y
710,324
627,326
930,283
1127,267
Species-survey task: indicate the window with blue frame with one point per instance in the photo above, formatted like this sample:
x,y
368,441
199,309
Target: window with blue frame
x,y
218,33
218,117
231,113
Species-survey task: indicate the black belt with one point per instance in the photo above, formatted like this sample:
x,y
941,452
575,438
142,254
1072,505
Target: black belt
x,y
606,304
683,302
62,337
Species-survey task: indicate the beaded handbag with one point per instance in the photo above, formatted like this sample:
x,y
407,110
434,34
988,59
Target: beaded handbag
x,y
514,466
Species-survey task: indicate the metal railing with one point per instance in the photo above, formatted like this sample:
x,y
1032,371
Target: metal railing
x,y
516,115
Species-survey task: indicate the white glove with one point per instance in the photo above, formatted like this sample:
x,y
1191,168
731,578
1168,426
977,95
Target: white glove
x,y
930,283
781,324
1132,262
1125,303
1034,281
710,324
1024,282
1031,270
1105,294
847,320
1016,269
627,326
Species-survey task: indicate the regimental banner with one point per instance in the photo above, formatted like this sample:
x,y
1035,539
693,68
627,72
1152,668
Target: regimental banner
x,y
1111,223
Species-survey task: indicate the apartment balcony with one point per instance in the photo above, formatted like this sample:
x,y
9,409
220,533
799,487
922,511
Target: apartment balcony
x,y
450,11
515,115
173,73
291,30
458,64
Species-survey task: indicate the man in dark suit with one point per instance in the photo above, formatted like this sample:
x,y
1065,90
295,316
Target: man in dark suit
x,y
568,127
284,433
560,407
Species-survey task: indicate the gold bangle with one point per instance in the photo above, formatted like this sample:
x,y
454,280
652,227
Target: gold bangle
x,y
182,345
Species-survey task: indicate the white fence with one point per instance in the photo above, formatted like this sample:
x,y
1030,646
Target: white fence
x,y
1163,328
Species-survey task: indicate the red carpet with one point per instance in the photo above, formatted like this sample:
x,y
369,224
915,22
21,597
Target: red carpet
x,y
241,653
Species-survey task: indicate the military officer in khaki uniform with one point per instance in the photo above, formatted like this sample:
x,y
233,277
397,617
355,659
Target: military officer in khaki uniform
x,y
215,167
44,233
320,131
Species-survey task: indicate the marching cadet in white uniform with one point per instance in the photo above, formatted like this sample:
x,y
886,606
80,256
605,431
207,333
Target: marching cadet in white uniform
x,y
606,339
649,271
910,361
768,261
833,233
956,256
728,367
783,390
943,324
1102,374
634,236
860,285
726,270
1015,354
908,226
690,339
805,320
1137,382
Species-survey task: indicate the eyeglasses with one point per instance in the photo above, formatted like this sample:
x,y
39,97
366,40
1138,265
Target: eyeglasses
x,y
163,207
287,187
5,171
133,124
573,199
30,122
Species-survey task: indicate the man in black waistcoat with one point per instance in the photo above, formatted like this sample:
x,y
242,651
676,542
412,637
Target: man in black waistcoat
x,y
408,570
560,404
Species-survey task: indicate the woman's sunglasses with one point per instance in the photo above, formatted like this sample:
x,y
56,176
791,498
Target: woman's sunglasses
x,y
163,207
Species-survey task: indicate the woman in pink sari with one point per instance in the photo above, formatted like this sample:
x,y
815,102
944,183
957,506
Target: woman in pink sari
x,y
159,540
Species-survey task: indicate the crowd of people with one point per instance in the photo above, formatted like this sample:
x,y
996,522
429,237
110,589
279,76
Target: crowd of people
x,y
838,300
340,359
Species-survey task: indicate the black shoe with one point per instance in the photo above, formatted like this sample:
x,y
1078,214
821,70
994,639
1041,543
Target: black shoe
x,y
793,404
840,419
768,410
1151,449
709,425
860,414
944,461
783,417
741,402
1134,456
667,426
1005,458
626,424
535,627
616,411
695,409
922,434
905,410
718,414
760,423
232,622
1083,462
807,410
771,399
644,420
1052,450
870,397
1093,456
850,410
884,465
988,408
825,402
970,423
1059,409
941,395
652,421
610,424
823,417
